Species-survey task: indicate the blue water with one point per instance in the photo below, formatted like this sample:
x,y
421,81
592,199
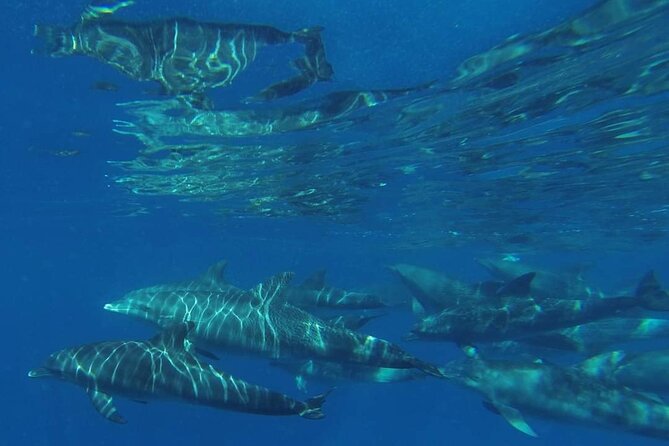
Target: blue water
x,y
65,249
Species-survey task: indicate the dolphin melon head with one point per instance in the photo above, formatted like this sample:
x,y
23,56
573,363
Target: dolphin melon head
x,y
144,304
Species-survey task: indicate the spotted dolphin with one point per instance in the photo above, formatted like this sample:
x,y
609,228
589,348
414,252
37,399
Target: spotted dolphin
x,y
163,368
260,322
511,388
187,57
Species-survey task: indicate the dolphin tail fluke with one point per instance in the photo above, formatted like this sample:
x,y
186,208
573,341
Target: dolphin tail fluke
x,y
651,293
314,64
314,407
57,40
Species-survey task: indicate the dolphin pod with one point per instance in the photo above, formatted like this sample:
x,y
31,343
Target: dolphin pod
x,y
208,312
259,321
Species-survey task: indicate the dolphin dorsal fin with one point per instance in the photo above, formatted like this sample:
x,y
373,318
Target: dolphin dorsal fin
x,y
272,287
215,274
602,365
316,281
651,294
174,337
518,287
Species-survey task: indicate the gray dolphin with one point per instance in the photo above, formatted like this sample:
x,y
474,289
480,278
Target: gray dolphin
x,y
549,284
163,368
517,317
598,336
434,291
335,373
259,321
511,388
185,56
314,292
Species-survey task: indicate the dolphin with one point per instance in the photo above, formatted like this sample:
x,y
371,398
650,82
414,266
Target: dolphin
x,y
516,317
187,57
434,291
259,321
598,336
548,284
313,292
511,388
335,373
644,371
163,368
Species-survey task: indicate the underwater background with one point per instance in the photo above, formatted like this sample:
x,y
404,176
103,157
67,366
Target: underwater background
x,y
74,235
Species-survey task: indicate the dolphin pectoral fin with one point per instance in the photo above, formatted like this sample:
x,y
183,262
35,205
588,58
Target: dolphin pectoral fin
x,y
654,397
512,416
40,372
174,337
206,354
104,404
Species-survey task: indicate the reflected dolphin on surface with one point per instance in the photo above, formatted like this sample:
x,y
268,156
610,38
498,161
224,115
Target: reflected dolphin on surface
x,y
187,57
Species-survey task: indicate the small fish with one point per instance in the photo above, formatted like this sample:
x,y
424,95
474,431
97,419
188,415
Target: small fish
x,y
104,86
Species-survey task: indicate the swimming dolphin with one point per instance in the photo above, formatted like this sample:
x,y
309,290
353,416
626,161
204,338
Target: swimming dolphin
x,y
598,336
517,317
258,321
314,292
335,373
163,368
643,371
511,388
434,291
546,283
185,56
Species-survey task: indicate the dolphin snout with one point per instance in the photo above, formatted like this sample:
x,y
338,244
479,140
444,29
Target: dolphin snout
x,y
110,307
